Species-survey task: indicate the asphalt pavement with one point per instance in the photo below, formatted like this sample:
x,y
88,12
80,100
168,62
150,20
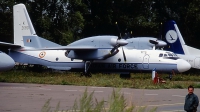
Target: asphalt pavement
x,y
20,97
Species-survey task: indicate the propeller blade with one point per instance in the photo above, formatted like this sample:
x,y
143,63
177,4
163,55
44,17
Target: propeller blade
x,y
119,37
124,54
153,42
160,36
113,49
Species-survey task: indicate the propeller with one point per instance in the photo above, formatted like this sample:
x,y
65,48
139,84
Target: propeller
x,y
120,42
161,30
158,43
127,35
154,42
124,54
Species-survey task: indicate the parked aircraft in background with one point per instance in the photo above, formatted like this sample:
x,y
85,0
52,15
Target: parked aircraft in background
x,y
92,54
177,45
6,62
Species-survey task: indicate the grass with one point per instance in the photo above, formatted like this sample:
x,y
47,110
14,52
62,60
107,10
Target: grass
x,y
138,80
88,103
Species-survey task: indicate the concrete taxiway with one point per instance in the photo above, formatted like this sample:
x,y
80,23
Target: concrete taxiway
x,y
20,97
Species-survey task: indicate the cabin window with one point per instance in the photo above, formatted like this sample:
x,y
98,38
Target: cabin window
x,y
165,55
161,55
174,55
170,55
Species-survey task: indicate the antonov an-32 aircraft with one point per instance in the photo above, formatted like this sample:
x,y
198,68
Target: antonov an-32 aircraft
x,y
92,54
177,45
6,62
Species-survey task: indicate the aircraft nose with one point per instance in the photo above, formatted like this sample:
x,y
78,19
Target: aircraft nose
x,y
6,62
10,63
183,65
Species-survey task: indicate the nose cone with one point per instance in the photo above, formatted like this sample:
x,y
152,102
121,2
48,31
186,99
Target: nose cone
x,y
6,62
183,65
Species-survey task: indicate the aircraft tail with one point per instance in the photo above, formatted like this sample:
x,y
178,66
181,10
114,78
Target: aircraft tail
x,y
174,39
24,32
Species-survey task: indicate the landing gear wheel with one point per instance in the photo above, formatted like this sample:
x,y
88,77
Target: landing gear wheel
x,y
125,76
88,75
82,74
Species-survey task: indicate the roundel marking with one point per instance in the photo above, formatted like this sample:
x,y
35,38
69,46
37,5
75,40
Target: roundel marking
x,y
171,36
42,54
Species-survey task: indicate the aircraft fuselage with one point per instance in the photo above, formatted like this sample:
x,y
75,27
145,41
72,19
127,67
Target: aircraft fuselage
x,y
137,60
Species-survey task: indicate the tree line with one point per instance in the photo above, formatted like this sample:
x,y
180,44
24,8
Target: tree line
x,y
64,21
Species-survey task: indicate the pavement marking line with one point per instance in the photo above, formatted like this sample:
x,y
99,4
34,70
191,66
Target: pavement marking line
x,y
150,94
99,87
71,90
14,87
19,87
98,91
178,95
44,89
174,111
93,91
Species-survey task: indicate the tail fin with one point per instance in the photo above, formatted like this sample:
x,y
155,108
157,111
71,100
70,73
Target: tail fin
x,y
24,32
22,24
174,38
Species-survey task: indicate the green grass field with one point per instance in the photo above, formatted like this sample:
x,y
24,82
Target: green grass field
x,y
137,80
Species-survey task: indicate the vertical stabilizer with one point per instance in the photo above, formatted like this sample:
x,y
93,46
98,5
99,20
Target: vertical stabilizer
x,y
22,24
174,38
24,32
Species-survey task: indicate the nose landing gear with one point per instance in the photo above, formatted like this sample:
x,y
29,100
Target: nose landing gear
x,y
87,66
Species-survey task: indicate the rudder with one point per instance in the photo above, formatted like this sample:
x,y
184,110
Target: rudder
x,y
174,38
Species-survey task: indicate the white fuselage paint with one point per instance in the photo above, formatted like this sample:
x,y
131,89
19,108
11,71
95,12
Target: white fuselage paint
x,y
146,60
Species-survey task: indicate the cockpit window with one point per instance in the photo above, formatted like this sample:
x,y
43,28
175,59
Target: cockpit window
x,y
174,55
161,55
170,55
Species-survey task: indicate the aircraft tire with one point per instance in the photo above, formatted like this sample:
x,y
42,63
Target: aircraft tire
x,y
88,75
125,76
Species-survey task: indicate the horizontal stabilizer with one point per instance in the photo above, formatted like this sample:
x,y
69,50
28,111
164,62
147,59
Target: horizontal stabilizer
x,y
9,45
38,42
59,68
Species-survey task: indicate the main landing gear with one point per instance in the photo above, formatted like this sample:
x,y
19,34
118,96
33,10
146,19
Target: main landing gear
x,y
86,73
125,75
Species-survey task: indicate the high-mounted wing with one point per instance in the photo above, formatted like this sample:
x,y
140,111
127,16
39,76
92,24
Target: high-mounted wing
x,y
91,48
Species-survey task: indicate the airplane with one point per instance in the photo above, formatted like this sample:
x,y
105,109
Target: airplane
x,y
92,54
6,62
177,45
